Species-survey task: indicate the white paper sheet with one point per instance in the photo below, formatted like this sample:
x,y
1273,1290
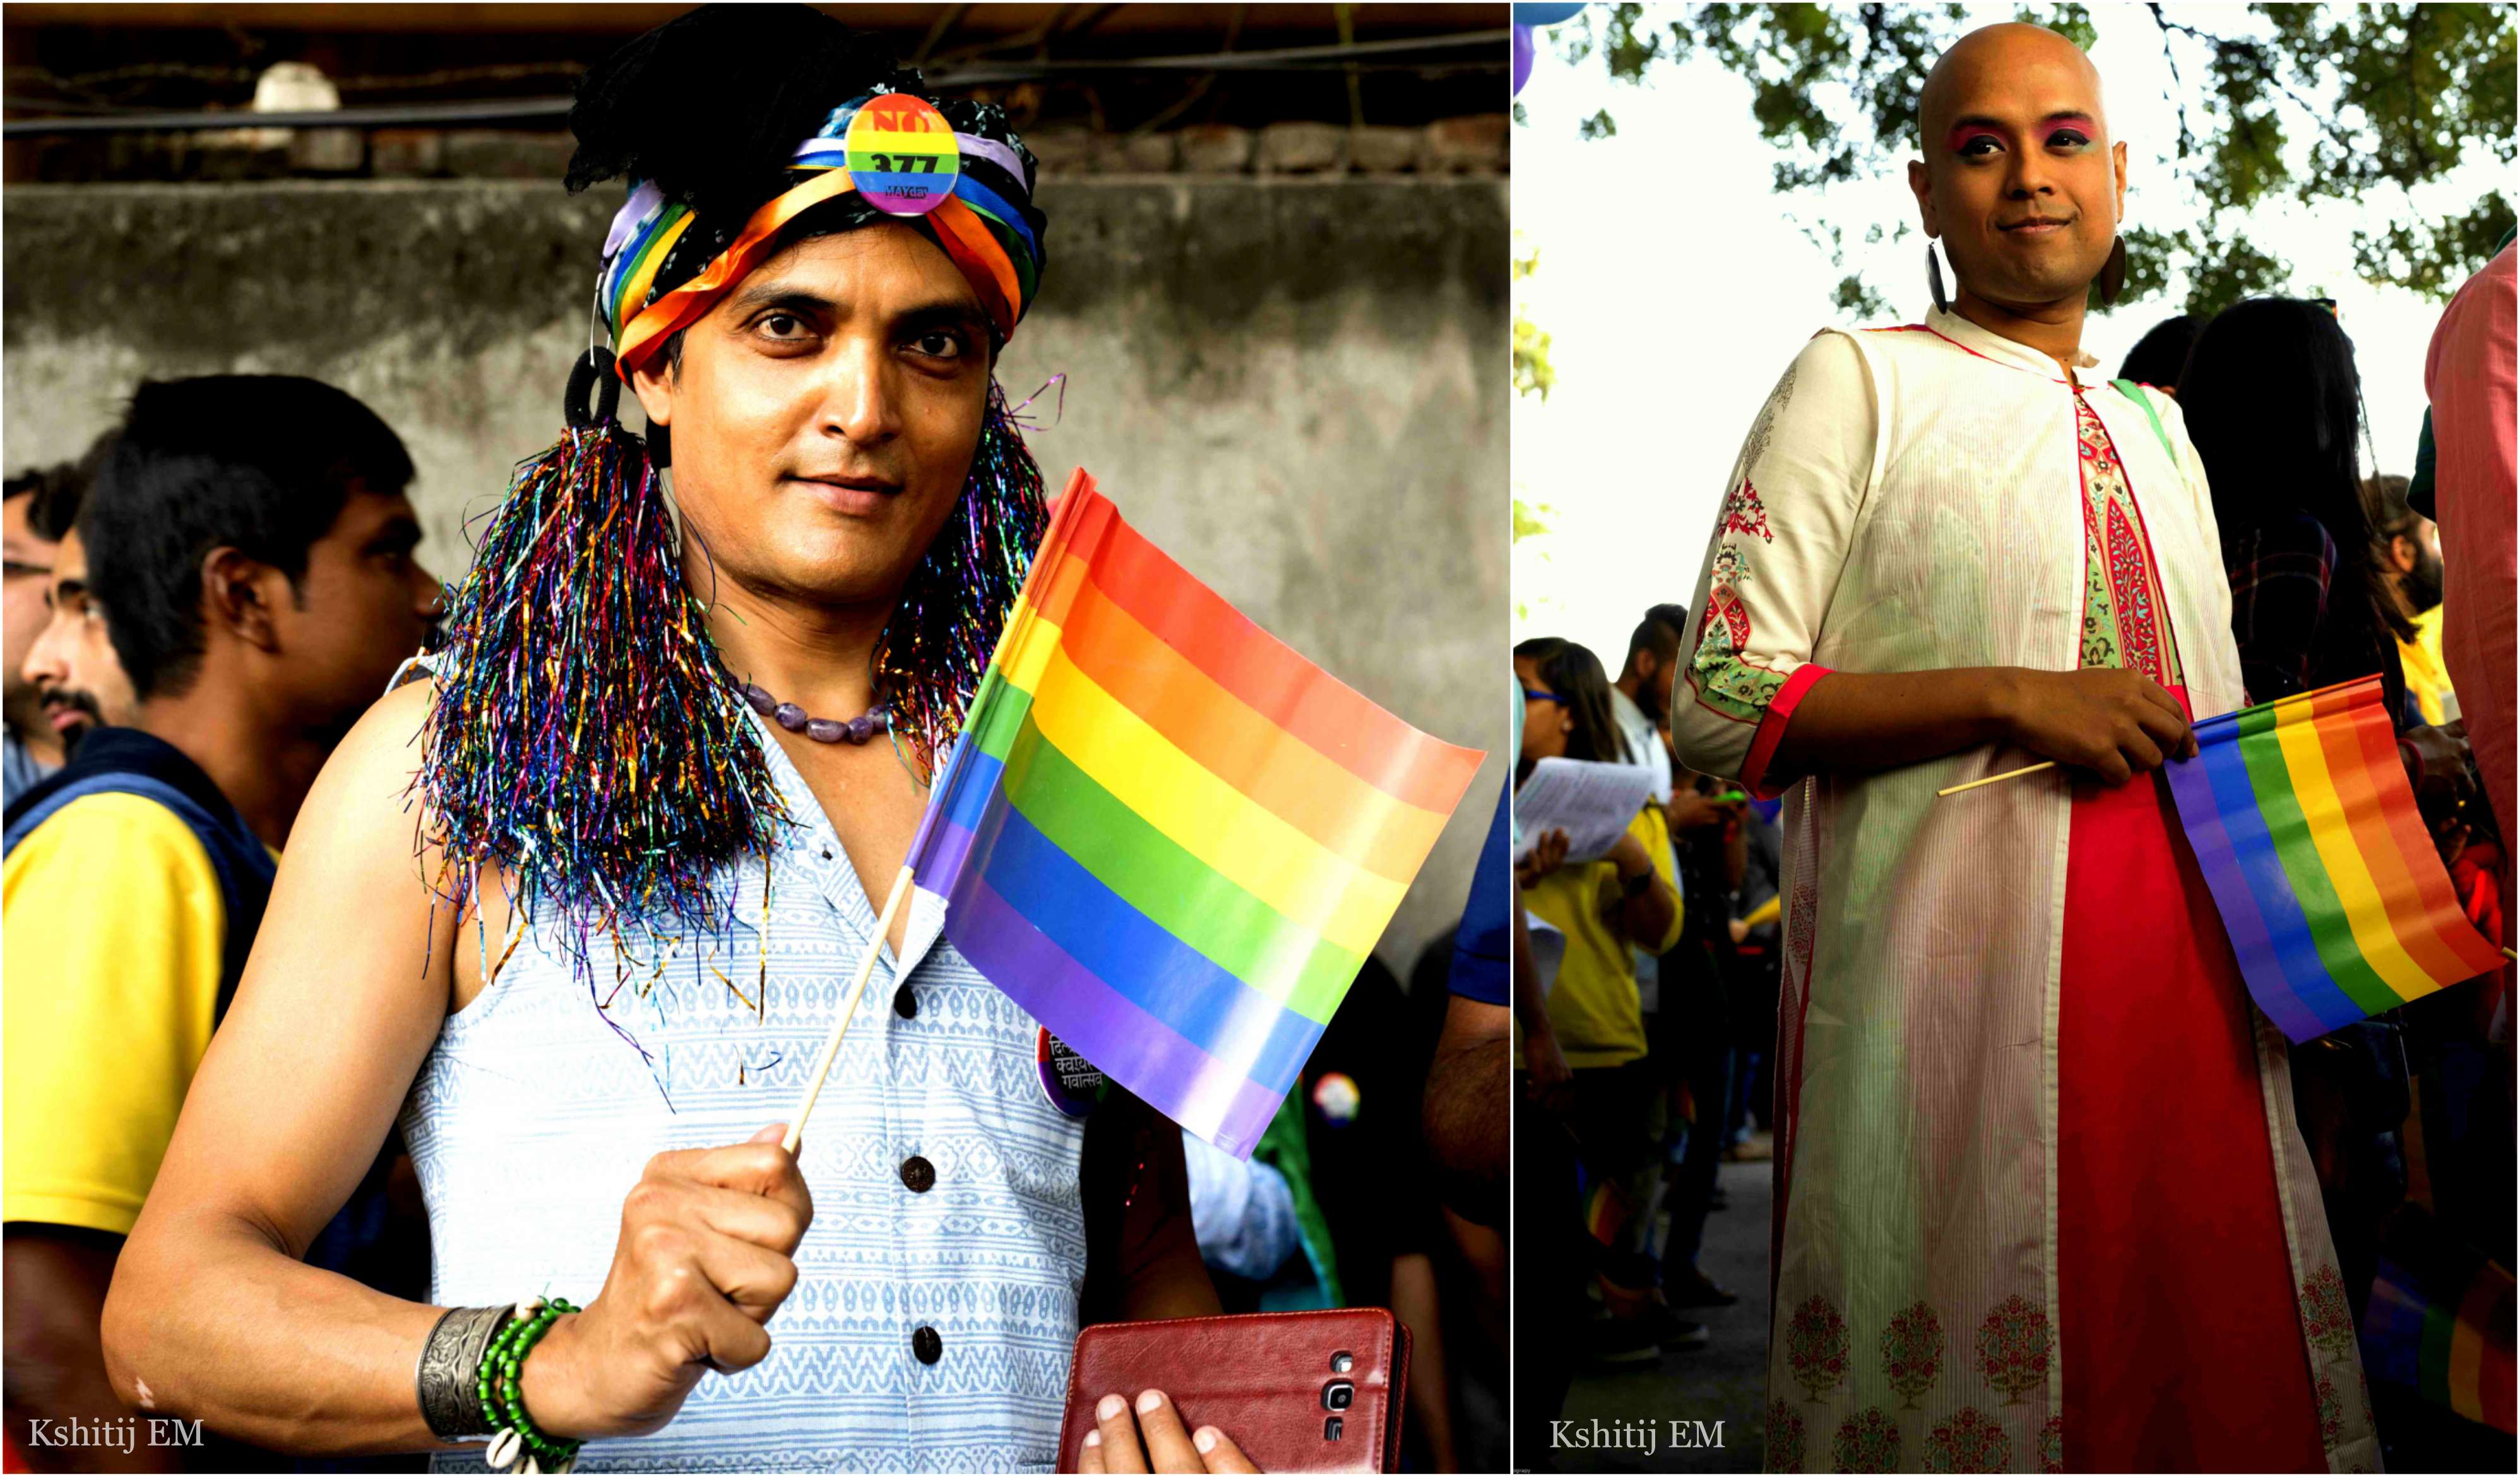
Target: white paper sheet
x,y
1592,803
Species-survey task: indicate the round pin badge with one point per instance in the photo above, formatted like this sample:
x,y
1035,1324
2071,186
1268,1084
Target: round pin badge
x,y
901,152
1072,1084
1336,1097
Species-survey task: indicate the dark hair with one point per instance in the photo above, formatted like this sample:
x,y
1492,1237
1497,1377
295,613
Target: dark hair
x,y
1657,634
57,491
2274,407
2384,501
2159,356
257,462
1575,675
2392,518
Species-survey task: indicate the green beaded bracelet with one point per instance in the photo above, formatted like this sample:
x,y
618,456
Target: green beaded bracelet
x,y
500,1385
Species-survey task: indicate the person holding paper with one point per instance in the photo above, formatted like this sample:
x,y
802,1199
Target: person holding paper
x,y
722,747
1608,907
2040,1201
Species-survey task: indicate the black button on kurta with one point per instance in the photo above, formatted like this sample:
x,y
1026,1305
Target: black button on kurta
x,y
905,1003
918,1174
926,1345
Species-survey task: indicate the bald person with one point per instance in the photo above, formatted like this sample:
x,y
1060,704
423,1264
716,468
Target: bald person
x,y
2040,1201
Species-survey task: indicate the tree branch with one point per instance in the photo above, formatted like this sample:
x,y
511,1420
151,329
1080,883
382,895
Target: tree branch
x,y
2179,88
2256,56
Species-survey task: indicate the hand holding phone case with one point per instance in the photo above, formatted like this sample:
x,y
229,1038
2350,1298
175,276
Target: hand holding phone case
x,y
1298,1392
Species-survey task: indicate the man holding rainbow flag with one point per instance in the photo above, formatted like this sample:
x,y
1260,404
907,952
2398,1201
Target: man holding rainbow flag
x,y
2040,1201
669,760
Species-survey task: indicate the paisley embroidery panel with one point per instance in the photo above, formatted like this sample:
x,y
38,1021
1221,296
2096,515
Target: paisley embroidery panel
x,y
2121,599
1725,681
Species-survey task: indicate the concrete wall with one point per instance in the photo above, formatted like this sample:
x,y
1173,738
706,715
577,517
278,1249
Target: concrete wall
x,y
1296,387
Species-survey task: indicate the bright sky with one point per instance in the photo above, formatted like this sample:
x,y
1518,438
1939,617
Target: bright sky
x,y
1676,287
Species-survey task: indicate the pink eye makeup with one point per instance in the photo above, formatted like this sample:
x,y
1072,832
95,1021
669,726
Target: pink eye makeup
x,y
1972,138
2073,132
1966,139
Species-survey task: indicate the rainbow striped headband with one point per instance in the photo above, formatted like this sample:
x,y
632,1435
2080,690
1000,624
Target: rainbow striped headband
x,y
987,235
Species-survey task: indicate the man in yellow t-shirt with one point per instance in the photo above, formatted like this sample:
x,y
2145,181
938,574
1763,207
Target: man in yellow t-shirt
x,y
250,546
83,1145
2408,544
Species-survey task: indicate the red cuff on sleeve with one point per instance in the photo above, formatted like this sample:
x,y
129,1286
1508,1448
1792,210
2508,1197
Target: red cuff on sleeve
x,y
1771,728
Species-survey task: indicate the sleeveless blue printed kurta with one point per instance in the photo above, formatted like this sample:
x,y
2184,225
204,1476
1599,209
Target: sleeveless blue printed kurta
x,y
532,1119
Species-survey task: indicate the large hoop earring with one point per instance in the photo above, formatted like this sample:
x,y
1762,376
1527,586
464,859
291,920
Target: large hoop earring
x,y
1934,278
2113,272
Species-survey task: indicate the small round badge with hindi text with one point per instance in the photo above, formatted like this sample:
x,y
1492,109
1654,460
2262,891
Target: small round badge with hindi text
x,y
902,154
1072,1084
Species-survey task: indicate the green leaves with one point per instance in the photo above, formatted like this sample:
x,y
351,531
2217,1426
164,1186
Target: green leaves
x,y
2433,258
1532,374
2385,98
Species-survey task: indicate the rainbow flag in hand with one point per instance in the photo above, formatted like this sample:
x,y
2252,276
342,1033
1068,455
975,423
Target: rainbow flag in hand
x,y
2327,881
1166,835
2439,1322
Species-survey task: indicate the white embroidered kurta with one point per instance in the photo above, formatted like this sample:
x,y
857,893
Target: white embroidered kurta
x,y
1907,500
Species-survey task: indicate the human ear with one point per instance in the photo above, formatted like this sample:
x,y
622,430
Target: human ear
x,y
654,383
2117,166
1921,183
237,596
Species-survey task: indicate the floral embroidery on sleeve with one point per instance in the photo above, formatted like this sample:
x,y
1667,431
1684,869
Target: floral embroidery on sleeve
x,y
1725,681
1743,512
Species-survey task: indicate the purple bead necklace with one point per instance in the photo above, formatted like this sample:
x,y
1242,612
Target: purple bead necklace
x,y
793,719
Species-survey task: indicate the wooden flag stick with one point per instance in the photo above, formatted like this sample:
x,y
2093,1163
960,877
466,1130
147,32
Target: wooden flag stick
x,y
2280,702
848,1008
1997,778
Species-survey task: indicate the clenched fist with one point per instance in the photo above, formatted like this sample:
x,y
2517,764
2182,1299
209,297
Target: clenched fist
x,y
2115,722
704,1259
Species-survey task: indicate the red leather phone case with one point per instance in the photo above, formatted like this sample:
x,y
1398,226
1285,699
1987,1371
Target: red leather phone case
x,y
1265,1379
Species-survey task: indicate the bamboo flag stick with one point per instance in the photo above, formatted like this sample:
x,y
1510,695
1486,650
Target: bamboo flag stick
x,y
1997,778
848,1010
2279,702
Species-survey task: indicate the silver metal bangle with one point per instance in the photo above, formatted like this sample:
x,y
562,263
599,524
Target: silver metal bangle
x,y
449,1377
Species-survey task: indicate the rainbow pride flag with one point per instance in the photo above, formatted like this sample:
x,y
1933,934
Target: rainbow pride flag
x,y
1166,835
2439,1322
2336,903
